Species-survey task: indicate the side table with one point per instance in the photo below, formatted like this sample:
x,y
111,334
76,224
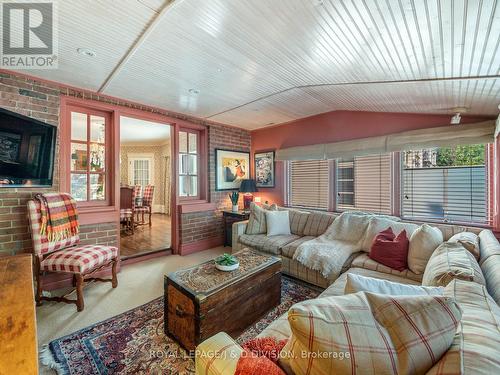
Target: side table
x,y
231,217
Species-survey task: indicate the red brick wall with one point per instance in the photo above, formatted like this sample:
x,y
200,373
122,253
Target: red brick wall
x,y
40,100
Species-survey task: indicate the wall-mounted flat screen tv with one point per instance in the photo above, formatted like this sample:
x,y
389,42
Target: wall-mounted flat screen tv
x,y
26,151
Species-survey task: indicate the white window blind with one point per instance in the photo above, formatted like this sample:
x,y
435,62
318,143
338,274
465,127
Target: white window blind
x,y
308,184
364,183
446,184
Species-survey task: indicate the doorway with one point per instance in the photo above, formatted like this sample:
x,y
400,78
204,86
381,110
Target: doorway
x,y
145,187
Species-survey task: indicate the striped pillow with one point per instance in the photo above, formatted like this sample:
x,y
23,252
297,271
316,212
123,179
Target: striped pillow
x,y
257,219
468,240
451,261
374,333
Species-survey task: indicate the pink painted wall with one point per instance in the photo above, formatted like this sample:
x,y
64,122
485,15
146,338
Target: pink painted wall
x,y
338,126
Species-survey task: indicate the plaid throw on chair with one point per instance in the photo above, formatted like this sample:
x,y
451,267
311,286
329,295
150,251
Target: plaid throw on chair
x,y
59,217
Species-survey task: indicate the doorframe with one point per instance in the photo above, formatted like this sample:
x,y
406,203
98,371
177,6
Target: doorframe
x,y
174,127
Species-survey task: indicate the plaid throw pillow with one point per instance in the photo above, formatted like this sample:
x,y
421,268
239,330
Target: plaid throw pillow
x,y
370,334
452,261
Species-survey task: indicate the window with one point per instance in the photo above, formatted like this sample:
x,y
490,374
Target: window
x,y
88,156
364,183
141,169
189,154
308,184
446,184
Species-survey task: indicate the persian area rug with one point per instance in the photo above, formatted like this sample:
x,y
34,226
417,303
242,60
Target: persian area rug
x,y
134,342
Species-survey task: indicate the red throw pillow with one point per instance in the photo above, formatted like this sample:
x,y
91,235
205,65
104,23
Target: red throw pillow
x,y
265,347
389,250
251,364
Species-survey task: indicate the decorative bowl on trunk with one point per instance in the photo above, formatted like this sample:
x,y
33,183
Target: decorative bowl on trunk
x,y
226,262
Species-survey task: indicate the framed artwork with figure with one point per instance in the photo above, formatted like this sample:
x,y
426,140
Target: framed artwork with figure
x,y
230,168
264,169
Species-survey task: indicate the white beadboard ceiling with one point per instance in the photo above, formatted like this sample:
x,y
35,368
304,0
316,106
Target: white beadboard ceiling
x,y
262,62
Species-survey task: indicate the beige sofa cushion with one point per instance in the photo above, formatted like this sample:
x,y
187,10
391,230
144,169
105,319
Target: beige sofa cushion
x,y
423,242
267,244
364,261
317,223
475,348
468,240
377,333
358,283
289,249
489,245
298,220
257,219
451,261
378,224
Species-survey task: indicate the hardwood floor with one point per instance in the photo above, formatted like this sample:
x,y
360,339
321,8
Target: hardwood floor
x,y
145,238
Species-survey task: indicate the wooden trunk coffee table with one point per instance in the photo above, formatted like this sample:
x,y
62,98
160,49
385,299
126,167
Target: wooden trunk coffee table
x,y
202,301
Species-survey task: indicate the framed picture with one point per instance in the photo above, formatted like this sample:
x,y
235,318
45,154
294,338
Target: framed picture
x,y
264,169
230,168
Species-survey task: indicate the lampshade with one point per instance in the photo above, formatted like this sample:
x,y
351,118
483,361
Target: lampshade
x,y
248,186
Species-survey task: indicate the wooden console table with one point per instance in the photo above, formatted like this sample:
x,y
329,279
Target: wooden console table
x,y
18,353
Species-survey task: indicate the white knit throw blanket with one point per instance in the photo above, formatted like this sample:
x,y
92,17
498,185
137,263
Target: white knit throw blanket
x,y
329,252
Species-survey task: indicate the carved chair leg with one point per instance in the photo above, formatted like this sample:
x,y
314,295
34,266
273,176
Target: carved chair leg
x,y
114,278
150,213
79,292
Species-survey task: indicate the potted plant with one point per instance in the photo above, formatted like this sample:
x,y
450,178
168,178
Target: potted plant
x,y
227,262
234,197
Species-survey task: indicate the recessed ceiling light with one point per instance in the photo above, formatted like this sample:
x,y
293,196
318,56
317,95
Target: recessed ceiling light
x,y
194,91
86,52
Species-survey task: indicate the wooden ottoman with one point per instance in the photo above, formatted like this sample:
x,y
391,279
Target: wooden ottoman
x,y
202,301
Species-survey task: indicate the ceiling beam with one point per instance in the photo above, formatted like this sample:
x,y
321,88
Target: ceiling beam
x,y
169,4
354,84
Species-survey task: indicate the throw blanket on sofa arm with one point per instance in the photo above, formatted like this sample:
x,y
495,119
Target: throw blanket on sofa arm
x,y
329,252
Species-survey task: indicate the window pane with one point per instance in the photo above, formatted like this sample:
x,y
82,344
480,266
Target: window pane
x,y
194,186
364,183
183,142
78,126
183,186
141,172
309,184
97,182
78,157
97,129
97,158
79,186
193,143
193,164
448,184
183,164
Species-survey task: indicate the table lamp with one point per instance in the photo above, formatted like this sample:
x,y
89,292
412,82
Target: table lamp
x,y
248,187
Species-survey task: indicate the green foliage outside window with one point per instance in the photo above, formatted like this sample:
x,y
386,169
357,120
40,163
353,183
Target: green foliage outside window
x,y
461,155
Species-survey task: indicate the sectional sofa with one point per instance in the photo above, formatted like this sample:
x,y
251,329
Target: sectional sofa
x,y
306,226
475,348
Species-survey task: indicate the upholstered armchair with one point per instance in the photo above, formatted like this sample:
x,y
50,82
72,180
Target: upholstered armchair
x,y
65,256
